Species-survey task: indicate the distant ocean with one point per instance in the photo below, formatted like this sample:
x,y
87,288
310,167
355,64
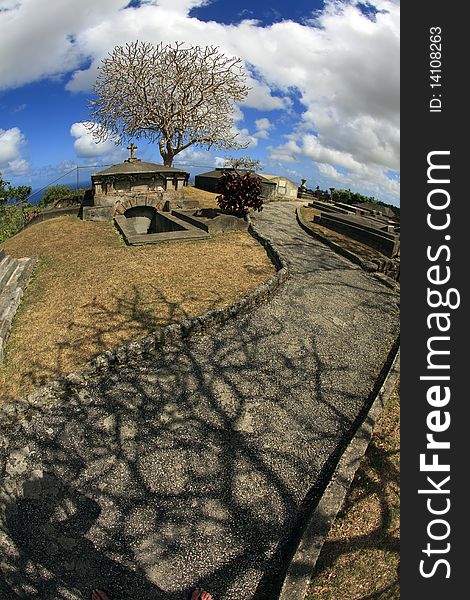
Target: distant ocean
x,y
38,193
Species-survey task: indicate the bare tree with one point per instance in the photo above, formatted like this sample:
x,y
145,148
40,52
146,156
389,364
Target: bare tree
x,y
243,162
171,95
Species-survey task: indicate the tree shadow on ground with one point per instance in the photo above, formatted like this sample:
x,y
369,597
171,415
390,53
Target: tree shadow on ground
x,y
97,327
49,524
190,466
185,468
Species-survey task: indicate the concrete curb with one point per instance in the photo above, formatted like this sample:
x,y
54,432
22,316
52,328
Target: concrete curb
x,y
11,295
12,413
302,565
53,213
367,265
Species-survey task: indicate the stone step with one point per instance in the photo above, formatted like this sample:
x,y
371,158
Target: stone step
x,y
18,280
23,272
7,267
12,292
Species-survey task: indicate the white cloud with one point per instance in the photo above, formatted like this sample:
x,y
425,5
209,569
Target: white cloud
x,y
287,152
11,141
245,138
263,126
7,4
17,167
243,135
370,179
11,160
19,108
260,96
193,157
220,161
328,171
85,146
39,41
238,114
179,6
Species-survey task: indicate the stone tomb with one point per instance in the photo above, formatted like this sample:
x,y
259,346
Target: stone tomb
x,y
146,225
212,220
381,236
132,184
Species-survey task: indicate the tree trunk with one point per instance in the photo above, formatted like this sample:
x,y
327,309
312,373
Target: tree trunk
x,y
165,153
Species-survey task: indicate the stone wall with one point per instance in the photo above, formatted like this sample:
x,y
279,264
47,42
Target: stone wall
x,y
113,194
390,267
384,241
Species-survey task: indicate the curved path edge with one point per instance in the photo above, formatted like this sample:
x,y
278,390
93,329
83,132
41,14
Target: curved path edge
x,y
366,265
168,335
301,567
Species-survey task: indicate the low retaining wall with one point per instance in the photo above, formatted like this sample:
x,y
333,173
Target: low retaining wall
x,y
45,215
218,223
16,412
387,266
323,206
382,241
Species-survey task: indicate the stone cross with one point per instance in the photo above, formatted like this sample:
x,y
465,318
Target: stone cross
x,y
132,148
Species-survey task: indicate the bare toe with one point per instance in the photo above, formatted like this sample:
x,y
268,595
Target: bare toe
x,y
200,595
99,595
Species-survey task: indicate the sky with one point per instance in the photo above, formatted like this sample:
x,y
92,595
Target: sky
x,y
323,76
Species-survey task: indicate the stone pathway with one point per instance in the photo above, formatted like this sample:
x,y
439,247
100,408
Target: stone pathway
x,y
191,470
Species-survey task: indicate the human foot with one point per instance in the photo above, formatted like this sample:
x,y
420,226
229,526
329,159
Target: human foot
x,y
99,595
198,595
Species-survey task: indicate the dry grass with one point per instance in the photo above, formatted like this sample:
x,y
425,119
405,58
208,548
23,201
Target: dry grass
x,y
362,250
91,292
360,558
205,199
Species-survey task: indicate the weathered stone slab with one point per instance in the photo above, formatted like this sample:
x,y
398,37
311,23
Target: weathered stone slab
x,y
98,213
212,220
166,228
356,228
7,267
14,277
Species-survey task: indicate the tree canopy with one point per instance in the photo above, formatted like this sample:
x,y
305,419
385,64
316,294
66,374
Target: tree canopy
x,y
7,192
243,162
174,96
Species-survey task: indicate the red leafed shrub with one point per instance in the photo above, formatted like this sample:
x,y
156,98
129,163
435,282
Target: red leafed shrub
x,y
239,192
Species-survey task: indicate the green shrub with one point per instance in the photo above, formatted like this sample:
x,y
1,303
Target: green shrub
x,y
54,194
12,206
239,192
11,220
61,196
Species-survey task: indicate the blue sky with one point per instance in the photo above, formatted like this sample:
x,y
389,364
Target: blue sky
x,y
324,78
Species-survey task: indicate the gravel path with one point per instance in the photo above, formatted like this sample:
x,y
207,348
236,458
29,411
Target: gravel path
x,y
192,470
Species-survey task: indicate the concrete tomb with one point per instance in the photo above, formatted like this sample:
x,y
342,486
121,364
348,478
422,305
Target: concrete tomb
x,y
132,183
212,220
209,181
146,225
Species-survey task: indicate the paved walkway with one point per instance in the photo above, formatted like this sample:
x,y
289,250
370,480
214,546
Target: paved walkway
x,y
191,470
